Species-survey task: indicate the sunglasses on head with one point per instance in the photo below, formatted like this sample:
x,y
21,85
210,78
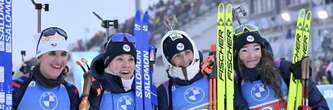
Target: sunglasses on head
x,y
119,38
50,32
246,28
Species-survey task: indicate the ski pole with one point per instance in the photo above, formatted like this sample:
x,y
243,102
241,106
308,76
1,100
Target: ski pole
x,y
152,62
85,105
305,82
78,63
85,62
214,91
208,67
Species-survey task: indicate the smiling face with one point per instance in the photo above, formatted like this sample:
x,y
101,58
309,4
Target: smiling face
x,y
182,59
122,66
53,63
250,55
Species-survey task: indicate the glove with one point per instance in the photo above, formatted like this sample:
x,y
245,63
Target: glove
x,y
207,65
296,68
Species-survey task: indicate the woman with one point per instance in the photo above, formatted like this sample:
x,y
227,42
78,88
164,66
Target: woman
x,y
187,87
114,72
46,85
260,83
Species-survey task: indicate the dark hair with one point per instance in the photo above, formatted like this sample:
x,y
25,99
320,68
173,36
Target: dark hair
x,y
268,72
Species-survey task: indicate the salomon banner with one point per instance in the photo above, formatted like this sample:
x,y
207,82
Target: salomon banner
x,y
5,54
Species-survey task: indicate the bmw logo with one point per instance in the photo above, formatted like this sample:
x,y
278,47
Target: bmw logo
x,y
259,92
48,101
194,95
125,103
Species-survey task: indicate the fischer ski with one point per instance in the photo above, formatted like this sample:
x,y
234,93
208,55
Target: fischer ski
x,y
143,80
229,59
225,73
219,59
302,36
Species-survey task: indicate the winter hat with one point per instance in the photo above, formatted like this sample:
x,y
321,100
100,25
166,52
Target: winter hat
x,y
115,48
51,39
246,34
175,42
169,43
246,38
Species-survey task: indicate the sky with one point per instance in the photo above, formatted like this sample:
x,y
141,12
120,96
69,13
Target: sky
x,y
74,16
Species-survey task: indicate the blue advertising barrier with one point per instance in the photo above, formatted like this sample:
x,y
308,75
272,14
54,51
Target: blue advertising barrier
x,y
327,91
5,54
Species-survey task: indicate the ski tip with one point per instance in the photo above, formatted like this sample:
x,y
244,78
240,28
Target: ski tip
x,y
229,8
138,14
301,13
308,14
137,19
229,5
146,15
220,7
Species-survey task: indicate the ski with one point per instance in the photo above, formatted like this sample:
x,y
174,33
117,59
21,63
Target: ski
x,y
305,69
138,72
220,57
225,82
6,55
143,72
229,62
147,82
302,36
